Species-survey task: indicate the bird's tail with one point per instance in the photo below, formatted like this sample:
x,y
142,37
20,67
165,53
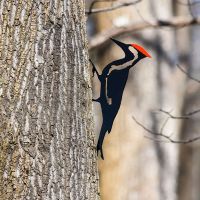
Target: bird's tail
x,y
110,127
99,148
100,140
111,124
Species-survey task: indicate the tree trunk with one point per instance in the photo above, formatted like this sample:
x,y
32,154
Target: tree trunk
x,y
46,141
189,161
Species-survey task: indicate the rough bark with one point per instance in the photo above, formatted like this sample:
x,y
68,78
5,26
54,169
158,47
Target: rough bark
x,y
46,129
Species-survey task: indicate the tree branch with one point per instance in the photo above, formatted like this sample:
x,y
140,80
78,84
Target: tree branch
x,y
175,22
184,116
174,117
168,138
114,7
187,74
192,112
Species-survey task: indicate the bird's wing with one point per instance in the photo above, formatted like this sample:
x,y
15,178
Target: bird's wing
x,y
115,87
116,82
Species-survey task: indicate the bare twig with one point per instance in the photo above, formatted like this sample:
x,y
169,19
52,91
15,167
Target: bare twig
x,y
155,139
192,112
164,124
116,5
172,116
168,138
142,17
95,2
187,74
175,22
184,116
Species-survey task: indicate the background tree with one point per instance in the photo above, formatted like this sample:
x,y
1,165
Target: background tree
x,y
46,125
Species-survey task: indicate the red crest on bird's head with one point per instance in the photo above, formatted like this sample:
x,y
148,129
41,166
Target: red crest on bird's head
x,y
141,49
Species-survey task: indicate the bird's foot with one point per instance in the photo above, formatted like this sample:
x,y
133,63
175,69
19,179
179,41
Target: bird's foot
x,y
94,70
96,100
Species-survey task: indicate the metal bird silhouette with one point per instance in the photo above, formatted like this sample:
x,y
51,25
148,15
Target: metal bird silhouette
x,y
113,81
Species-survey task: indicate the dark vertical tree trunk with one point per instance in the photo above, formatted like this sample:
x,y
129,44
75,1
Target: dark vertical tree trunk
x,y
46,125
189,174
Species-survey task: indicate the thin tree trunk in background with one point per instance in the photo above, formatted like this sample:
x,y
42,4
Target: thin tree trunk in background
x,y
169,97
189,172
46,126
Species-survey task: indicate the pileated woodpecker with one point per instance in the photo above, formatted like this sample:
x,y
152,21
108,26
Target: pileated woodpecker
x,y
113,80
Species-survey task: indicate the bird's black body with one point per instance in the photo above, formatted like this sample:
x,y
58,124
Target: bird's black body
x,y
112,87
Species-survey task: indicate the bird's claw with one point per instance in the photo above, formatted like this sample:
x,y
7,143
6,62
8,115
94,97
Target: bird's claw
x,y
94,70
96,100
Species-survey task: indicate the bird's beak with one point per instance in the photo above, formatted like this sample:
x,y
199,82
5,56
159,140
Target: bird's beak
x,y
120,44
141,50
